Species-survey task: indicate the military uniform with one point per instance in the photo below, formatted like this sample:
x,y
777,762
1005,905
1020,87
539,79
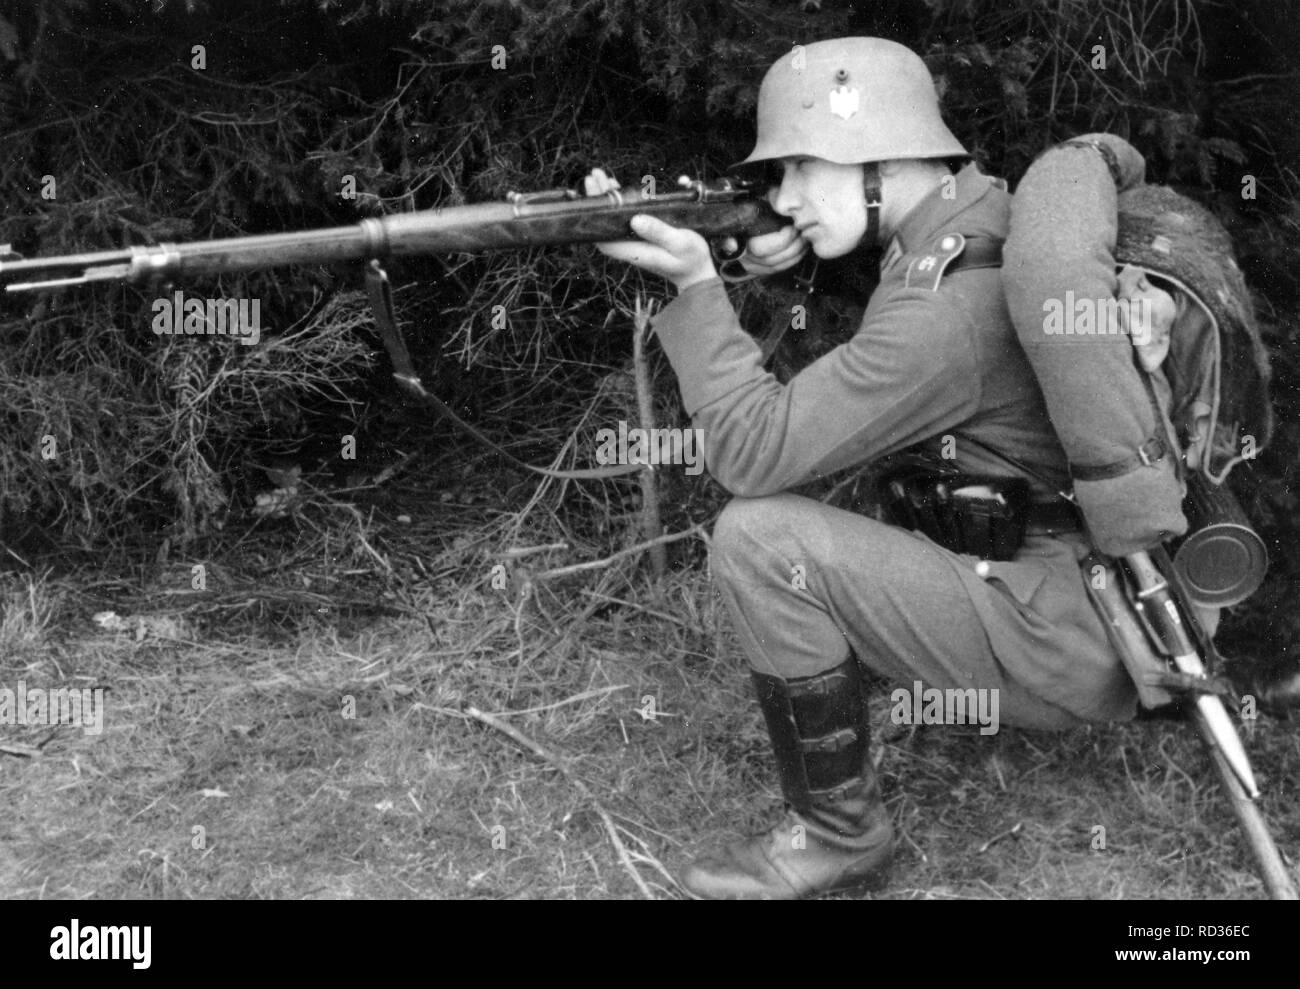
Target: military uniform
x,y
936,355
817,593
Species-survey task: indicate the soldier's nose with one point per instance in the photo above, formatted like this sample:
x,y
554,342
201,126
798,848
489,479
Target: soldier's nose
x,y
786,200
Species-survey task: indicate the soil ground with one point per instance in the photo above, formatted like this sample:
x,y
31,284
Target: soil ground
x,y
298,728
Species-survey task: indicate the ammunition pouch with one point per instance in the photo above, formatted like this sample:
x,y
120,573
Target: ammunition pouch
x,y
967,513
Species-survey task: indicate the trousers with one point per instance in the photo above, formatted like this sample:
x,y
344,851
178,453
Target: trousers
x,y
806,584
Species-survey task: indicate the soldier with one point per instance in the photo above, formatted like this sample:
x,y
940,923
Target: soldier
x,y
814,591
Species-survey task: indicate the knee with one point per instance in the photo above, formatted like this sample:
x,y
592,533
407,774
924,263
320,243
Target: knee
x,y
743,534
744,521
766,535
749,521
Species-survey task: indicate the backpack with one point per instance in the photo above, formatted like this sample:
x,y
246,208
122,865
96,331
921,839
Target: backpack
x,y
1138,444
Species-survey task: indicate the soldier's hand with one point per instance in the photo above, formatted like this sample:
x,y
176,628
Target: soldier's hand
x,y
769,253
681,256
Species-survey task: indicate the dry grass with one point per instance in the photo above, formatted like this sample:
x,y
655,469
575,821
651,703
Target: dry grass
x,y
227,713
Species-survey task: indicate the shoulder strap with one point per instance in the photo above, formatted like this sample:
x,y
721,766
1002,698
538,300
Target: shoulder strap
x,y
1106,153
949,253
1148,454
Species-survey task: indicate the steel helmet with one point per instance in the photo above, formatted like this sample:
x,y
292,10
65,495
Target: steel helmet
x,y
850,101
1181,241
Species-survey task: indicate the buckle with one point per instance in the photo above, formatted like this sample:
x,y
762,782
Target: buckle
x,y
1158,446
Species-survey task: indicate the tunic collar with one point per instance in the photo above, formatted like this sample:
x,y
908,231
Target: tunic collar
x,y
934,214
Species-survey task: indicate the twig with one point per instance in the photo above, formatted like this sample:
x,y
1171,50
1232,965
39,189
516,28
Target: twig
x,y
912,841
651,526
24,751
641,608
585,695
1012,832
543,753
522,596
672,537
519,552
1002,783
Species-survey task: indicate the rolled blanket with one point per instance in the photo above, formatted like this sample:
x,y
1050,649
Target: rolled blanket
x,y
1059,277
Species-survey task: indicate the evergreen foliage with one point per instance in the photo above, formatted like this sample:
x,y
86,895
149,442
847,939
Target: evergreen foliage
x,y
411,100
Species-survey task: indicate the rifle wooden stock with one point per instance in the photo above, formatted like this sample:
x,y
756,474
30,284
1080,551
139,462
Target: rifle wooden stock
x,y
718,209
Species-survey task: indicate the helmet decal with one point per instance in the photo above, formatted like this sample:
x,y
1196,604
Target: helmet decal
x,y
844,101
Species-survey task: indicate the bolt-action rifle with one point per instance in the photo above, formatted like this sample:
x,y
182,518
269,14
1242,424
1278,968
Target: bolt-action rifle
x,y
716,209
721,210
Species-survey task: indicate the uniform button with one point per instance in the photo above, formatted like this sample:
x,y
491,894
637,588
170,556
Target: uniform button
x,y
948,243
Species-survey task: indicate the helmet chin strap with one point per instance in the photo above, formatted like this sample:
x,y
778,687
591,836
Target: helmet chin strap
x,y
871,189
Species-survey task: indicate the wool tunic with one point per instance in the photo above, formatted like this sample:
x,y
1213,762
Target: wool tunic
x,y
936,355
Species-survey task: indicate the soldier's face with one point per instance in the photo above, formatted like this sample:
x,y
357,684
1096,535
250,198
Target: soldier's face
x,y
826,203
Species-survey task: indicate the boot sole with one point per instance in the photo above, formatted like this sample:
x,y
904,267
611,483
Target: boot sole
x,y
873,882
876,882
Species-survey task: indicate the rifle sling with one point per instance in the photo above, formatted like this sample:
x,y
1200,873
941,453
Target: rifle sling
x,y
381,300
767,346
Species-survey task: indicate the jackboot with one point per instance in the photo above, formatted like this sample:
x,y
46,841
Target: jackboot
x,y
836,833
